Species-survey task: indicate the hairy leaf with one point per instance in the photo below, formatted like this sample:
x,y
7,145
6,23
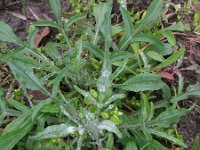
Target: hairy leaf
x,y
193,91
109,126
73,20
166,136
169,60
170,116
8,141
25,75
55,131
154,11
56,7
7,35
142,82
102,14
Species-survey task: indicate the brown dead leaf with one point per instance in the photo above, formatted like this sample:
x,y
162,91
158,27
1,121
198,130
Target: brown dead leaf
x,y
43,33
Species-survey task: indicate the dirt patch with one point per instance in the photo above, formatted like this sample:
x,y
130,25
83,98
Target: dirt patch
x,y
189,125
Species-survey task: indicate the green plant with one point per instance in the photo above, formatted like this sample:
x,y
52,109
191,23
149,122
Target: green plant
x,y
93,81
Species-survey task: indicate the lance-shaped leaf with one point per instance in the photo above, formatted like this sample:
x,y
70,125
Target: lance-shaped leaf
x,y
25,76
140,38
7,35
93,49
169,60
131,145
110,127
8,141
114,98
128,26
57,80
102,14
17,57
39,106
167,136
154,11
142,82
104,83
193,91
86,95
119,69
56,131
170,116
44,23
56,7
17,123
73,20
19,106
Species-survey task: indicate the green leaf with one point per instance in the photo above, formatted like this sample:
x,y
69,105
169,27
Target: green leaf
x,y
55,131
110,141
116,29
128,25
142,82
93,49
102,14
166,92
2,117
171,116
131,145
179,27
104,83
19,106
19,122
119,69
7,35
168,137
155,145
51,50
140,38
114,98
116,56
73,19
56,7
169,60
109,126
86,95
145,108
39,106
44,23
20,58
56,82
170,37
51,108
32,32
25,75
156,56
154,11
193,91
166,50
8,141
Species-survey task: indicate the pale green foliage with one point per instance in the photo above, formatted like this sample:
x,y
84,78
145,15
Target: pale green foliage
x,y
93,82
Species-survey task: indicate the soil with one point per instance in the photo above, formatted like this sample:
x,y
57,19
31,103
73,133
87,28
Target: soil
x,y
11,12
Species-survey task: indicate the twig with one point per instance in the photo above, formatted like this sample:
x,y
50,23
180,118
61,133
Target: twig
x,y
18,15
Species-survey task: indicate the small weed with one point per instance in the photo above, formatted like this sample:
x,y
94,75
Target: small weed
x,y
101,79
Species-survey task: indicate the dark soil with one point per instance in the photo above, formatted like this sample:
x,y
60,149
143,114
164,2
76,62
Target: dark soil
x,y
189,126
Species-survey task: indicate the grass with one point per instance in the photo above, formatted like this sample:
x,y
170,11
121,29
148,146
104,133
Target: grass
x,y
102,90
